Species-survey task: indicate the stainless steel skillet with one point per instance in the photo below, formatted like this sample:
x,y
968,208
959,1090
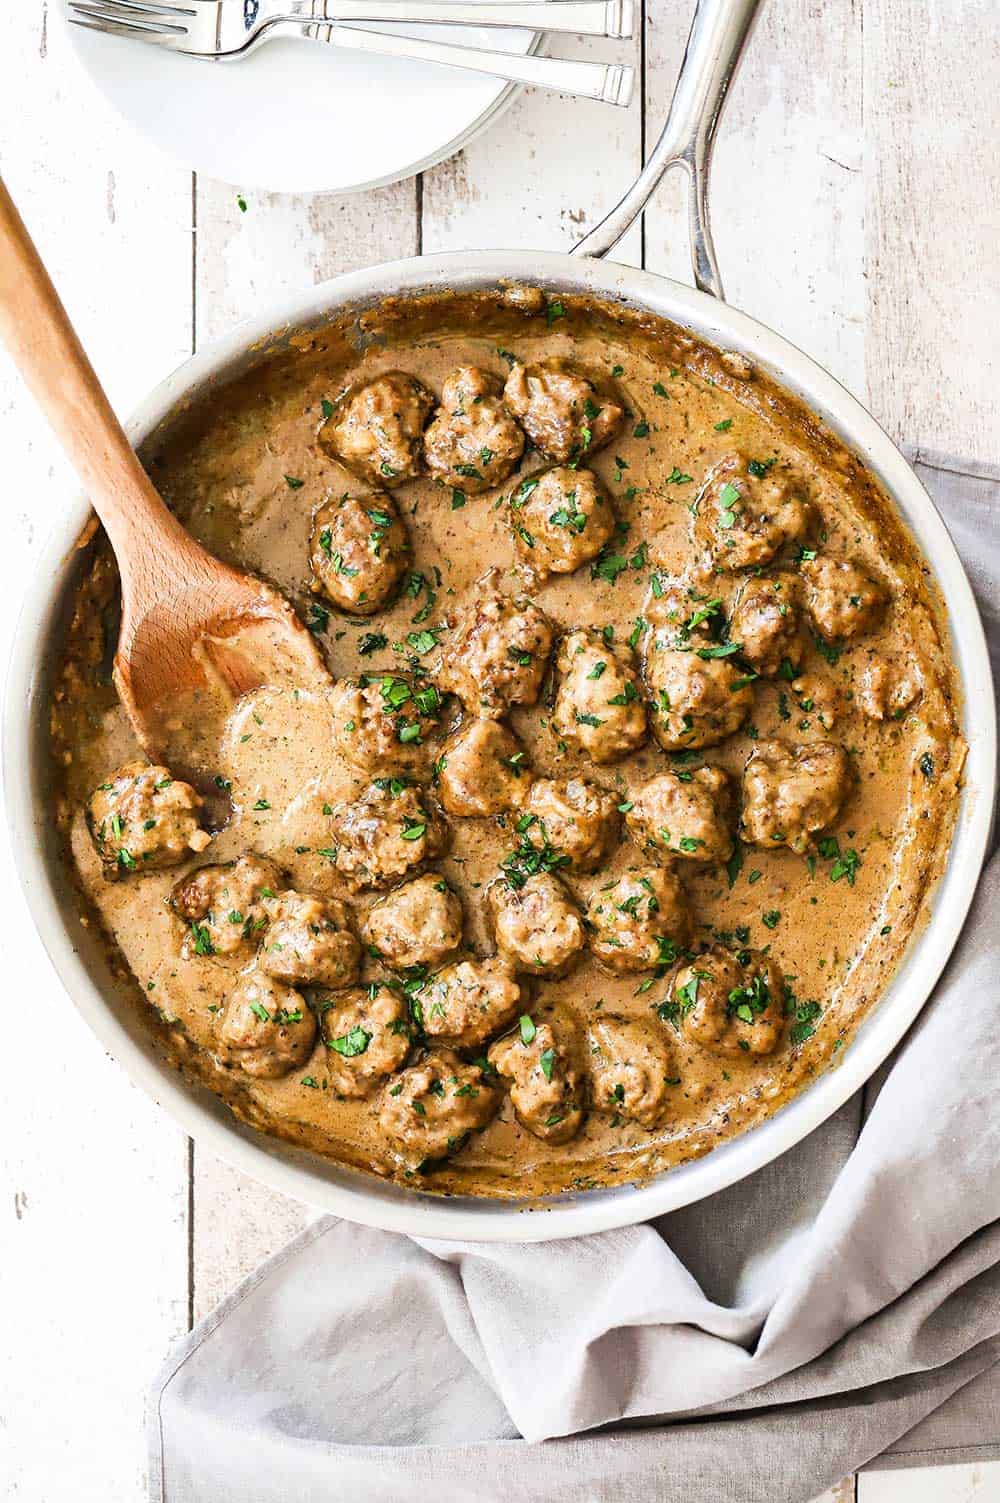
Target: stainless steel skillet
x,y
718,34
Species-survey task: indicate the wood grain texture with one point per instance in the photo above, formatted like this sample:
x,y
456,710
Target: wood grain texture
x,y
543,177
932,216
851,213
93,1176
971,1482
787,192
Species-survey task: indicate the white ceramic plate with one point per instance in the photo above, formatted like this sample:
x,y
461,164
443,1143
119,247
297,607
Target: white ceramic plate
x,y
298,116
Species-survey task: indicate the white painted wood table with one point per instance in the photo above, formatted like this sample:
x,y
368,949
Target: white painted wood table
x,y
853,212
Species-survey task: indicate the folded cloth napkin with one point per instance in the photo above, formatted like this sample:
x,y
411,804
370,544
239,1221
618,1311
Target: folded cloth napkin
x,y
757,1346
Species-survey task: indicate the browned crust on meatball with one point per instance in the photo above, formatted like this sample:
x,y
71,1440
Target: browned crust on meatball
x,y
376,429
565,410
359,550
367,1037
599,706
472,444
544,1061
428,1111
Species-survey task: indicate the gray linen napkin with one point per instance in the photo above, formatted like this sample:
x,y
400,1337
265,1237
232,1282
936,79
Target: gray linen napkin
x,y
757,1346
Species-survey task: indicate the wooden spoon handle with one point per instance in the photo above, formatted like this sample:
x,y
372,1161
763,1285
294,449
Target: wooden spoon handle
x,y
43,343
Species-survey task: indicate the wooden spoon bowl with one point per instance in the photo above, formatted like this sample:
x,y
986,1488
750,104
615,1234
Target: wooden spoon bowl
x,y
195,633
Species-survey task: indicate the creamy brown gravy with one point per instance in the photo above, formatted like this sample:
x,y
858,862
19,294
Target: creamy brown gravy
x,y
224,468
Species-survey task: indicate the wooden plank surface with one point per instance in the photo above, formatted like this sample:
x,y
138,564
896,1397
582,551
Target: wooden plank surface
x,y
847,216
94,1222
932,222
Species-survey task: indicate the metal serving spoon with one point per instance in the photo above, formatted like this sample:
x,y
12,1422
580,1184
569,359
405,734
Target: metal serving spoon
x,y
195,633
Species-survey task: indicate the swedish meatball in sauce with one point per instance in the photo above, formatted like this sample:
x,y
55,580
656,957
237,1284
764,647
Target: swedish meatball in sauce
x,y
597,847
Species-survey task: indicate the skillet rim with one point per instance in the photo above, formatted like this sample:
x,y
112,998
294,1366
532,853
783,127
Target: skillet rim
x,y
367,1199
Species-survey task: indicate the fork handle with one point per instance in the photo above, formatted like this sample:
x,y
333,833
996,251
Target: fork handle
x,y
609,82
590,18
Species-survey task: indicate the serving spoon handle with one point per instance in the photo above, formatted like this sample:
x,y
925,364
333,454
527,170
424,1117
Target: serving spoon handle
x,y
195,633
45,347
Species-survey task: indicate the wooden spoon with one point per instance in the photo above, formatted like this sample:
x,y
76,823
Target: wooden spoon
x,y
195,633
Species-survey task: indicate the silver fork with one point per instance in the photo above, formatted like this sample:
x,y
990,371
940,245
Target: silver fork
x,y
215,27
223,30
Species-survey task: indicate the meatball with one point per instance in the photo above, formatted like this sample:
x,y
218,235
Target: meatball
x,y
385,835
630,1066
309,941
561,519
844,601
266,1027
367,1037
143,818
473,442
481,770
359,551
377,426
418,924
562,409
430,1109
698,697
640,921
792,792
577,819
598,708
544,1061
766,624
468,1002
536,924
729,1004
497,653
383,723
225,906
684,815
888,687
747,511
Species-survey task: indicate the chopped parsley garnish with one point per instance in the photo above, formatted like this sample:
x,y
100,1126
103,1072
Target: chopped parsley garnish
x,y
846,865
351,1044
318,619
805,1017
423,641
202,939
372,641
608,565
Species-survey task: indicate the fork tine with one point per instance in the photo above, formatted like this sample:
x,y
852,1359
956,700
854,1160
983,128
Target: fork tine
x,y
114,13
154,10
120,29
